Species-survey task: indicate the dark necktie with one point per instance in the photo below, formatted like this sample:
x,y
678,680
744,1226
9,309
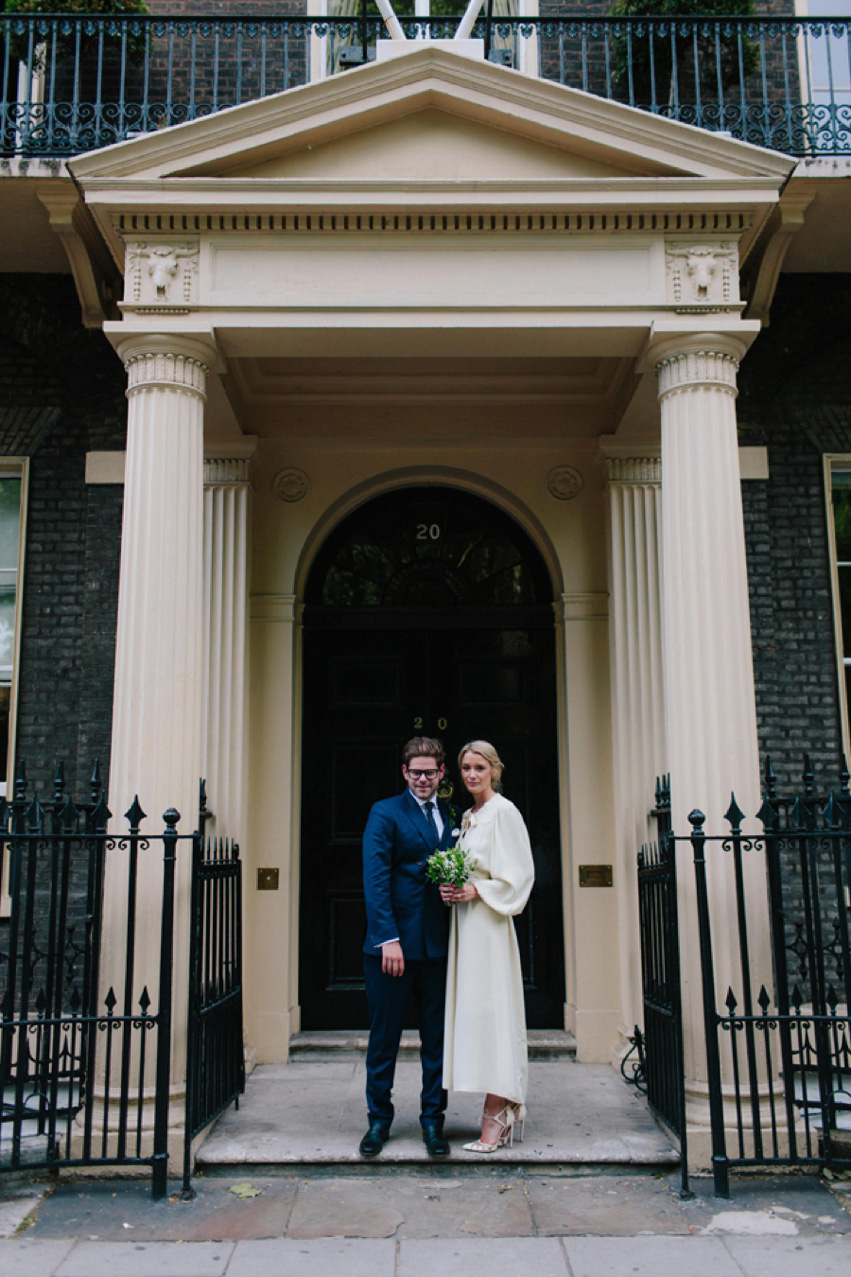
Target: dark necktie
x,y
429,815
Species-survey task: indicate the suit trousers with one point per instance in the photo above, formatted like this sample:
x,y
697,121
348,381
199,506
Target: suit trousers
x,y
424,984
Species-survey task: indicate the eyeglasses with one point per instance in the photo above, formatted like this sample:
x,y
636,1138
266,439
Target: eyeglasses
x,y
429,775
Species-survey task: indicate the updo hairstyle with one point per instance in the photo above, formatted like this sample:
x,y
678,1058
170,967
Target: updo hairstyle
x,y
486,751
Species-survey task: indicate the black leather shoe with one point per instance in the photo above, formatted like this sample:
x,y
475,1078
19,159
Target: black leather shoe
x,y
374,1140
436,1143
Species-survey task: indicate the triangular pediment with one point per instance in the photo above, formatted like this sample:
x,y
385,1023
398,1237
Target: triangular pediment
x,y
428,116
429,144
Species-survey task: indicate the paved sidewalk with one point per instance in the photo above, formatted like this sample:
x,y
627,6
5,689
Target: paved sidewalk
x,y
592,1192
407,1222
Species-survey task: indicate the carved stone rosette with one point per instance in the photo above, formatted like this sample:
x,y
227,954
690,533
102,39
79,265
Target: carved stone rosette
x,y
291,485
564,483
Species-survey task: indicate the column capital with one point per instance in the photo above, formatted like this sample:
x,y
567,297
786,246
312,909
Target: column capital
x,y
696,360
226,471
227,461
169,362
635,470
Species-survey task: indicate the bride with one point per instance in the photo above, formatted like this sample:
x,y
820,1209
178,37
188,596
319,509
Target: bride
x,y
485,1027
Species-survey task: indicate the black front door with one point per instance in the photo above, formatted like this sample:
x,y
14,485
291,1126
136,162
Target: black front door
x,y
375,676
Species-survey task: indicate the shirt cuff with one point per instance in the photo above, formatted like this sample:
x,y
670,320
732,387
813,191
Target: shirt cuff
x,y
395,940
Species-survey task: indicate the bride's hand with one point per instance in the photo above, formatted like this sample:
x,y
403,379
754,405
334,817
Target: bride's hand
x,y
458,895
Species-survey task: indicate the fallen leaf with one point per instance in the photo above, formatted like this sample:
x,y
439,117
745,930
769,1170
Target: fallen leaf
x,y
244,1190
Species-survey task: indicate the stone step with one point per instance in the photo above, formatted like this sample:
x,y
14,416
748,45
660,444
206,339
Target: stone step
x,y
544,1044
312,1112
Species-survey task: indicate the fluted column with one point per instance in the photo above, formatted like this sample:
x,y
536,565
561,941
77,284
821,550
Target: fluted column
x,y
710,711
638,701
156,725
226,498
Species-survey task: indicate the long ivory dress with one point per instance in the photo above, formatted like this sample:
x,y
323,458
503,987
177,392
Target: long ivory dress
x,y
485,1030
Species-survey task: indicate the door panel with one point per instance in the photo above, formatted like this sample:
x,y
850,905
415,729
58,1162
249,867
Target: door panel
x,y
366,691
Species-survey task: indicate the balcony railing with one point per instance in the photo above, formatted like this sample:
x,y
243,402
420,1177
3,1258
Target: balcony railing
x,y
74,83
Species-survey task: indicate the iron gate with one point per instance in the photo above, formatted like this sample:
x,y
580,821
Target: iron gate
x,y
215,1060
662,1040
85,1064
778,1038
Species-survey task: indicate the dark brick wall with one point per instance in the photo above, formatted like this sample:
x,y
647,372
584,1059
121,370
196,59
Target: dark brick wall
x,y
63,395
795,396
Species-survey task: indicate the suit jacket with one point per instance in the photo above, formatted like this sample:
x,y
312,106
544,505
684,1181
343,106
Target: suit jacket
x,y
400,901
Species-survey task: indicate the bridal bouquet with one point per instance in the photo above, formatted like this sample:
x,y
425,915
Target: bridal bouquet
x,y
451,867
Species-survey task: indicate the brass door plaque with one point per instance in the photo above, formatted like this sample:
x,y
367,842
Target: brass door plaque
x,y
267,879
595,875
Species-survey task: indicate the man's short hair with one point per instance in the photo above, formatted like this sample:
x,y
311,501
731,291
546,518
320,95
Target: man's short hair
x,y
423,747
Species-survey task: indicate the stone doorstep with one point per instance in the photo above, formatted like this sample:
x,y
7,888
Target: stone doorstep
x,y
544,1044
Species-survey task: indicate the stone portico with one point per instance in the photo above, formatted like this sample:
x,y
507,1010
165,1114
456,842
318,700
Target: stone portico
x,y
438,271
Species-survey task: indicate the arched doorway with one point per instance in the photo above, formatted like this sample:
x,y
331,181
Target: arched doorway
x,y
428,610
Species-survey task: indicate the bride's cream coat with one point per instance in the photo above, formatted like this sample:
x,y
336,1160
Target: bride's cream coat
x,y
485,1039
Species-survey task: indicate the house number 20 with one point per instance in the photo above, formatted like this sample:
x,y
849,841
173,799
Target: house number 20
x,y
442,723
428,531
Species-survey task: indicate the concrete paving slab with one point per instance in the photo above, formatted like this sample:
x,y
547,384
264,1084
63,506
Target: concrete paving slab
x,y
313,1112
789,1257
651,1257
344,1209
29,1258
497,1257
490,1206
123,1210
604,1205
767,1206
321,1258
151,1259
21,1196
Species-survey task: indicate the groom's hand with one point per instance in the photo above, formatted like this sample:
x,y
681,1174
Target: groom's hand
x,y
392,958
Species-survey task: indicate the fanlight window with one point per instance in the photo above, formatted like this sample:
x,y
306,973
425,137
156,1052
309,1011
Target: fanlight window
x,y
428,548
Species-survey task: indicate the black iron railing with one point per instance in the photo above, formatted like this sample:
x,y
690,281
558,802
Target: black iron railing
x,y
778,1037
74,83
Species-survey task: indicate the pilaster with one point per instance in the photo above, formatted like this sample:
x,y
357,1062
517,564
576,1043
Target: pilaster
x,y
226,566
591,934
638,698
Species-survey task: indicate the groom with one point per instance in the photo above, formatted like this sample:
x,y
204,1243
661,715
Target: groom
x,y
406,940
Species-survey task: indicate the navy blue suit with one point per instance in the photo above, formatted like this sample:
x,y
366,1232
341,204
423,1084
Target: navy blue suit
x,y
402,905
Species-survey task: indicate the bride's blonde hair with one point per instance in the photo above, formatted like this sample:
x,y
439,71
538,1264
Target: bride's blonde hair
x,y
486,751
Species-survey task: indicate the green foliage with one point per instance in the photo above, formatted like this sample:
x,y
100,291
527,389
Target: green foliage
x,y
451,867
731,56
93,7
